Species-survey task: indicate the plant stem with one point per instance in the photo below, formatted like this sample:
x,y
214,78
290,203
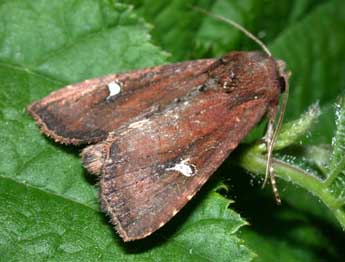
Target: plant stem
x,y
255,162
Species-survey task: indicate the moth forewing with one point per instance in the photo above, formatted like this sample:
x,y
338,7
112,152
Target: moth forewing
x,y
153,166
86,112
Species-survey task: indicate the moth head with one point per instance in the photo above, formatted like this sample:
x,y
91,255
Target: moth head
x,y
283,75
254,73
264,58
258,79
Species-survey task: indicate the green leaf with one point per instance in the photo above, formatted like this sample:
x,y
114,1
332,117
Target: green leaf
x,y
327,187
294,130
32,66
49,205
264,19
38,225
291,132
330,188
212,216
337,163
175,23
336,179
189,34
313,50
50,209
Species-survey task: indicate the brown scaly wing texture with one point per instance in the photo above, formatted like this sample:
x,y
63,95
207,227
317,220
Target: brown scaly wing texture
x,y
178,153
86,113
152,167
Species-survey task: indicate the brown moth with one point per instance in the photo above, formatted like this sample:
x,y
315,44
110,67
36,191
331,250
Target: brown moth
x,y
159,133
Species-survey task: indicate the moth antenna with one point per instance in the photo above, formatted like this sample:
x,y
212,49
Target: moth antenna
x,y
271,141
237,26
271,134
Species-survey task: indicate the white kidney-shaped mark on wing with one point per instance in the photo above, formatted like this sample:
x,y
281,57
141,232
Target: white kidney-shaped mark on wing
x,y
184,168
114,88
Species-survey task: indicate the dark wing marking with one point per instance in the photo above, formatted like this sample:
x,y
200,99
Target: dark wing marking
x,y
155,166
86,113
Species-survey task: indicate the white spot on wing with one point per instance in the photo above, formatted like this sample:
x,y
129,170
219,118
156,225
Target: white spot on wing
x,y
114,88
184,168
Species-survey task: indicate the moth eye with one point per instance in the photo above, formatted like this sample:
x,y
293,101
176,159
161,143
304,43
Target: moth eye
x,y
281,81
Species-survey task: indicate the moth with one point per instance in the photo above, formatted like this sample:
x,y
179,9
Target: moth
x,y
156,135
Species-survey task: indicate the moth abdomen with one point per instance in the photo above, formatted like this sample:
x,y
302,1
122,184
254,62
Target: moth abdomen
x,y
93,158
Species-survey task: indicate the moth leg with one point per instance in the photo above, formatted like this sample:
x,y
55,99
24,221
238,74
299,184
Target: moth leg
x,y
269,140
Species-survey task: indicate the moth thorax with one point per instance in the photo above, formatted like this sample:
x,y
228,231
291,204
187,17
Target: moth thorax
x,y
93,158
